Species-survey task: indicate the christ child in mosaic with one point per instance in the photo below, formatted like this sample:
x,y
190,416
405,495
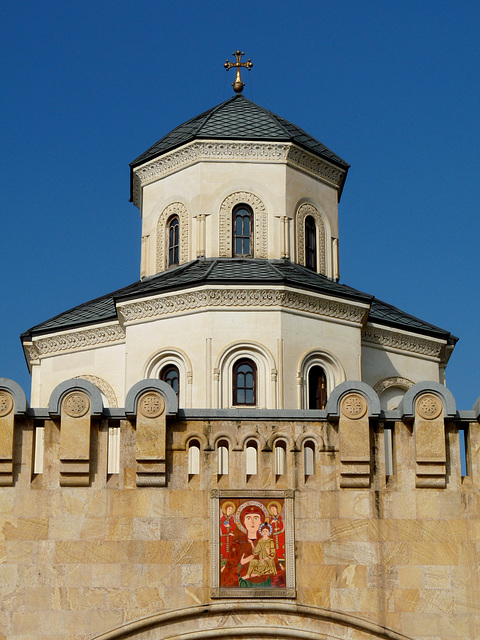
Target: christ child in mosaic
x,y
263,561
278,529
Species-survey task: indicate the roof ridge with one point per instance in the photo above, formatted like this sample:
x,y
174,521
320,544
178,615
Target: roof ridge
x,y
215,109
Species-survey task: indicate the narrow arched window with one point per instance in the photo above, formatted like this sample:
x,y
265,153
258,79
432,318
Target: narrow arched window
x,y
317,388
171,376
280,458
251,458
310,243
242,231
173,227
193,458
244,382
309,458
222,458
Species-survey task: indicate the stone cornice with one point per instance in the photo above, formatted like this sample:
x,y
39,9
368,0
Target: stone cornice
x,y
73,341
399,341
206,298
234,151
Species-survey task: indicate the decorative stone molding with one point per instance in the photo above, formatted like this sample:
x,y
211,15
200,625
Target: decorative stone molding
x,y
430,447
303,211
259,224
75,426
394,381
205,298
354,406
74,341
151,440
179,209
104,387
403,342
229,151
7,426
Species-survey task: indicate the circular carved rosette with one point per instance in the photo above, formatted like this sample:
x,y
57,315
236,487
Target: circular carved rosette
x,y
6,403
429,406
354,406
76,404
151,404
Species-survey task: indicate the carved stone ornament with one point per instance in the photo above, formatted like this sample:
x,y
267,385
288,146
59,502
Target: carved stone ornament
x,y
6,403
204,298
104,387
75,341
394,381
402,342
151,404
305,210
354,406
230,152
259,223
179,209
76,404
429,406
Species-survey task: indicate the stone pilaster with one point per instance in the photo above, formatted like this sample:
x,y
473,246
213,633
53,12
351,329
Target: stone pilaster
x,y
429,429
151,440
75,425
354,437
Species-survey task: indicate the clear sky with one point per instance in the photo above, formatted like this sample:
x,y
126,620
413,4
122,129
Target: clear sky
x,y
391,87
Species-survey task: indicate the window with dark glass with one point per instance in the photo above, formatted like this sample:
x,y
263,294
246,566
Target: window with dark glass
x,y
244,383
317,388
173,240
171,376
310,243
242,231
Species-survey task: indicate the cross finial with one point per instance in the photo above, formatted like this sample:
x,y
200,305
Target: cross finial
x,y
238,84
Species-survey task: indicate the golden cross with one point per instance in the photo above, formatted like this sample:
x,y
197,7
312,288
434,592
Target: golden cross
x,y
238,84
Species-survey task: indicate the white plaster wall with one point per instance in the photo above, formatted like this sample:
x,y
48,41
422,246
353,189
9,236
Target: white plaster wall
x,y
203,187
378,364
106,362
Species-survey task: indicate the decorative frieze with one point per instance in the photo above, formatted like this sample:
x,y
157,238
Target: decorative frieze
x,y
402,341
205,298
233,152
75,340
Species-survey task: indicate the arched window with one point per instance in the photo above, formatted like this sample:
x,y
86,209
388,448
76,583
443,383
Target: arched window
x,y
173,226
171,376
317,388
251,458
280,458
310,243
242,231
222,458
193,457
244,382
309,458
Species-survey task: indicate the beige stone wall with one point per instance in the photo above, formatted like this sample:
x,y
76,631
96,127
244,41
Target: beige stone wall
x,y
77,562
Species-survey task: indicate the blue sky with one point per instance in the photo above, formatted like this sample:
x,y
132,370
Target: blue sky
x,y
390,87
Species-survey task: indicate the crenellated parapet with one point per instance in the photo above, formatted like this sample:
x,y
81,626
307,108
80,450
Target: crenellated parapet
x,y
362,442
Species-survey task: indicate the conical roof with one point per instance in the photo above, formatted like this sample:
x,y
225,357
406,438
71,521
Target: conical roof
x,y
239,119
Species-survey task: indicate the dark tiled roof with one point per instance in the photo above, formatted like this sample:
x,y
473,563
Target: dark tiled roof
x,y
224,271
239,119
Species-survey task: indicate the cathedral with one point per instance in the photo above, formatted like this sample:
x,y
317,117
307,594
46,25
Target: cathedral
x,y
237,443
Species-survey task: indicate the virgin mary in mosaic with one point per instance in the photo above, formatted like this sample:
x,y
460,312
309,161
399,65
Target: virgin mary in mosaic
x,y
252,543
